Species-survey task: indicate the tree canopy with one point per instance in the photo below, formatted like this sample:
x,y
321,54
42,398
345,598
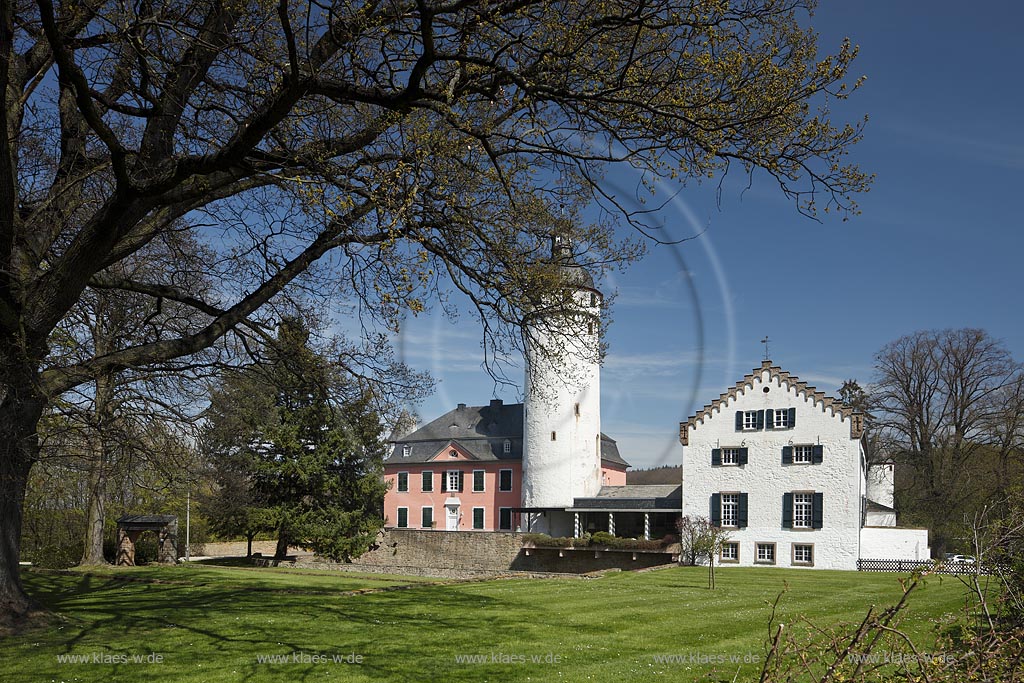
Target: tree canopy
x,y
372,153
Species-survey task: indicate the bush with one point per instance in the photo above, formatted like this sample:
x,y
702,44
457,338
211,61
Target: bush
x,y
602,538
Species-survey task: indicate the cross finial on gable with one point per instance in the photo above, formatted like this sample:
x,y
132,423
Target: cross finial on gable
x,y
765,342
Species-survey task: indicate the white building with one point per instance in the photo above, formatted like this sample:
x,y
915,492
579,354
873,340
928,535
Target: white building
x,y
782,467
562,407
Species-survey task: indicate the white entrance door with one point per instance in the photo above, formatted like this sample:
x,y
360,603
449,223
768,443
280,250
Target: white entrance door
x,y
452,517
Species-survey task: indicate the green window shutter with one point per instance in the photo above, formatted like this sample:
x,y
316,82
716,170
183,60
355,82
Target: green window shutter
x,y
427,481
505,519
818,511
787,510
792,418
787,455
428,517
743,456
741,511
739,420
760,419
403,481
478,480
716,456
403,517
716,509
817,454
444,482
769,419
462,481
478,518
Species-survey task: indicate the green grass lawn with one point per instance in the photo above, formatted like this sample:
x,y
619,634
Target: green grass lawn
x,y
215,624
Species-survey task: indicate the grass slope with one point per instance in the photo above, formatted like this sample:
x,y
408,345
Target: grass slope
x,y
214,624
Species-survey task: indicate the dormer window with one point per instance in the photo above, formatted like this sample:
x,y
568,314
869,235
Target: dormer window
x,y
507,447
406,450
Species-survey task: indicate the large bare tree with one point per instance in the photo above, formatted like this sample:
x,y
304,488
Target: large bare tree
x,y
949,406
379,149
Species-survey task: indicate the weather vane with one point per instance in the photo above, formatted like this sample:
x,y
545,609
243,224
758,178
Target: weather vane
x,y
765,342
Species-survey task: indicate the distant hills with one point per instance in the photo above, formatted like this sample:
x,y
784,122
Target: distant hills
x,y
666,474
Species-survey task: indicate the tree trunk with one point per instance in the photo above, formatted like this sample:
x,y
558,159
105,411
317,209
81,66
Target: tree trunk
x,y
248,547
92,553
283,540
20,411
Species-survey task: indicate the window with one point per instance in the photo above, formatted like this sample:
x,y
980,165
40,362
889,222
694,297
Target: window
x,y
453,453
750,420
403,481
803,454
406,450
427,517
507,447
427,481
453,480
803,506
552,436
765,553
478,518
730,552
729,456
505,519
403,517
504,480
730,509
803,553
780,419
478,481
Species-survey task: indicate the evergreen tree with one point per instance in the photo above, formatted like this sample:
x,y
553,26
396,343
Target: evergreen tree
x,y
297,449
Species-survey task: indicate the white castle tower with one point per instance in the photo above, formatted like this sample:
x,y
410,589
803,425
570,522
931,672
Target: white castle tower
x,y
562,406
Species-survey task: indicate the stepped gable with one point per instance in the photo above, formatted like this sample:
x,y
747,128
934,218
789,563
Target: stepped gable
x,y
818,398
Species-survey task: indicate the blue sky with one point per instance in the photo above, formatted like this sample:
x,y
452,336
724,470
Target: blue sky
x,y
938,244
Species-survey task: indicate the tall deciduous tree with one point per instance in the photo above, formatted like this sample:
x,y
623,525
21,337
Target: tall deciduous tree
x,y
947,403
373,151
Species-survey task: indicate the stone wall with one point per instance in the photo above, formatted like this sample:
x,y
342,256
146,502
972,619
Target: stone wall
x,y
447,553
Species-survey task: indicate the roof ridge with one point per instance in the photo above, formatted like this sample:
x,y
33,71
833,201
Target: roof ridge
x,y
774,372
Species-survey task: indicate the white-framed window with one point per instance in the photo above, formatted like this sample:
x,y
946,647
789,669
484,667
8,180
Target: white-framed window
x,y
426,517
478,481
427,481
406,450
780,419
730,552
803,553
730,456
730,509
506,447
765,553
505,519
403,518
802,455
803,510
403,482
453,480
478,518
504,480
750,420
453,453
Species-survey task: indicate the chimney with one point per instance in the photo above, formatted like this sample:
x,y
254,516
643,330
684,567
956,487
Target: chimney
x,y
462,406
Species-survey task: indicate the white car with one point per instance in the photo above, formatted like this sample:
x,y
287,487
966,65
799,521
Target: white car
x,y
961,559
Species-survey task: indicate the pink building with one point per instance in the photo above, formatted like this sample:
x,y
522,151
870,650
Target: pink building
x,y
464,471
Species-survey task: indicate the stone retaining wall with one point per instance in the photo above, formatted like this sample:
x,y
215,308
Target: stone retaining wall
x,y
447,553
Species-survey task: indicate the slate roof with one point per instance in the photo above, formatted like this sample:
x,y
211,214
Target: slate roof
x,y
634,497
872,506
481,431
